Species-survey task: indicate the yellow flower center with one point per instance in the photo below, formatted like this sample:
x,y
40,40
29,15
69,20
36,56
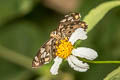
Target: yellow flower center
x,y
64,48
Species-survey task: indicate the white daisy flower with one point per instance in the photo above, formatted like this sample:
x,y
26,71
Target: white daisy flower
x,y
66,51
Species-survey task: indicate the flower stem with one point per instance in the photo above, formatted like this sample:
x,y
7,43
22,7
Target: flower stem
x,y
105,62
100,62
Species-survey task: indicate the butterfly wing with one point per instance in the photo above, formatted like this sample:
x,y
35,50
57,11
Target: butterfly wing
x,y
69,24
44,55
67,30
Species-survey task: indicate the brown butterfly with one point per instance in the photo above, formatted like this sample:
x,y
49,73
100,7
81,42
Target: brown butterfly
x,y
66,27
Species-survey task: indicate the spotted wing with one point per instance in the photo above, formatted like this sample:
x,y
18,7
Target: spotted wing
x,y
45,54
69,24
67,30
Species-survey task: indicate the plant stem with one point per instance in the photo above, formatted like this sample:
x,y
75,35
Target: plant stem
x,y
105,62
100,62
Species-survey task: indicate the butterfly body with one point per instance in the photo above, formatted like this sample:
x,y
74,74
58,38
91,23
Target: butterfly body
x,y
66,27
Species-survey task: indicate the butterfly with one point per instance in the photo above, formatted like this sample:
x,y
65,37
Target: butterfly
x,y
66,27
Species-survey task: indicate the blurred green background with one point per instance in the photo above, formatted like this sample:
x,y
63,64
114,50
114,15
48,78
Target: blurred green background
x,y
25,25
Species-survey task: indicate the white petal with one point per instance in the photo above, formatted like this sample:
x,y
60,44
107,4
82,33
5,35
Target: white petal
x,y
78,34
78,62
75,67
83,52
55,66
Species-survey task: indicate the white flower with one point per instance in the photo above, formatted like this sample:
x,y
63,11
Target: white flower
x,y
70,54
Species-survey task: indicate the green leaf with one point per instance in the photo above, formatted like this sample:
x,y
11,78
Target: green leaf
x,y
10,9
96,14
114,75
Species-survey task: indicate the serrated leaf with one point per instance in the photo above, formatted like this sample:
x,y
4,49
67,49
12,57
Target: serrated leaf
x,y
96,14
114,75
